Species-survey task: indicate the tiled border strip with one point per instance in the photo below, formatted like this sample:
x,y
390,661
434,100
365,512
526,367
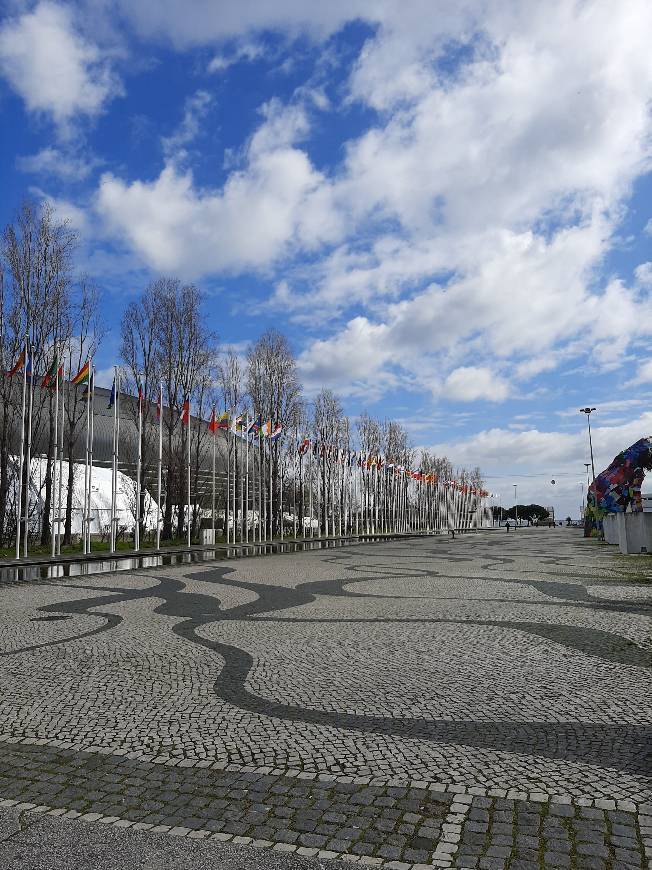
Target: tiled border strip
x,y
442,857
538,796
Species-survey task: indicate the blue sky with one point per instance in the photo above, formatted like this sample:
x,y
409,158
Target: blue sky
x,y
446,207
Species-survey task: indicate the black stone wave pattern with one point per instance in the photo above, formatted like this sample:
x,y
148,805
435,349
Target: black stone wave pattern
x,y
619,746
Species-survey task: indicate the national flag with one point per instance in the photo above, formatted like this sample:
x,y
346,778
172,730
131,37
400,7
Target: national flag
x,y
82,375
185,412
254,426
278,428
89,386
212,423
158,408
266,429
112,397
224,421
140,399
236,426
304,446
50,375
20,362
28,369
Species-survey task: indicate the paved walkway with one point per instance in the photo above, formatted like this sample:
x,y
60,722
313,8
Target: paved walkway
x,y
482,702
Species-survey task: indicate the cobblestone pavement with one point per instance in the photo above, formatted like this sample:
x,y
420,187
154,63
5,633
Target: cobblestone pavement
x,y
482,702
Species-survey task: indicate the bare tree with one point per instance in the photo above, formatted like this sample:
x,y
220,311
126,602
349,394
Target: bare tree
x,y
275,392
37,253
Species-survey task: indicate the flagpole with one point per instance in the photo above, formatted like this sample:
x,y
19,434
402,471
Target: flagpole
x,y
213,480
112,535
29,450
188,472
21,454
242,481
61,448
89,527
53,540
246,521
160,466
271,494
86,494
138,470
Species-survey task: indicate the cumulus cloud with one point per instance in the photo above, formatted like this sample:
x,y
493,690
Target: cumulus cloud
x,y
53,67
470,383
468,219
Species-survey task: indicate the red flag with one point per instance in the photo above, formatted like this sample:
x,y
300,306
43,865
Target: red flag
x,y
140,398
185,412
20,362
212,423
158,408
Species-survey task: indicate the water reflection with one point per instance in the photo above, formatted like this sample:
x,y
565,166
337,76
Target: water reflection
x,y
84,567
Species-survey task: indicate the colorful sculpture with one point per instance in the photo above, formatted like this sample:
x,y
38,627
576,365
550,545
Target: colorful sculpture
x,y
619,485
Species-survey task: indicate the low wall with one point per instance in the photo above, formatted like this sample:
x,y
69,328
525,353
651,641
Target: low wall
x,y
631,532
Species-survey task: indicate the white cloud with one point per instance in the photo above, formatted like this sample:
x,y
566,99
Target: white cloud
x,y
470,383
59,164
643,374
53,67
271,206
643,274
247,51
202,22
532,458
195,110
469,221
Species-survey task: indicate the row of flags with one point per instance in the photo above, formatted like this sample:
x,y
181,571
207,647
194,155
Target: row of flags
x,y
372,460
241,424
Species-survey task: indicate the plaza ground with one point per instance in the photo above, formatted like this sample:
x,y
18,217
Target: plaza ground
x,y
477,702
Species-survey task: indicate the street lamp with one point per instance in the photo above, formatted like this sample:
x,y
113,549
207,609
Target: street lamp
x,y
588,412
515,505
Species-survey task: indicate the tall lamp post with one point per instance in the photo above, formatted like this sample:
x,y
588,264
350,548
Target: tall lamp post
x,y
515,505
588,411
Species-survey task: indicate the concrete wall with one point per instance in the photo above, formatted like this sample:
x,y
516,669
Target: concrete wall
x,y
631,532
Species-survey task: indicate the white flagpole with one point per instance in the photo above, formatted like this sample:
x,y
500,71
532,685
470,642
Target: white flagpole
x,y
29,449
271,495
53,526
213,479
86,494
246,501
21,457
280,490
160,466
242,500
114,468
89,527
227,500
61,447
188,472
138,471
310,485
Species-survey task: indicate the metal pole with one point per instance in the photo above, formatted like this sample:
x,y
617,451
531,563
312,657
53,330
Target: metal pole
x,y
89,527
29,450
114,467
138,470
53,540
86,499
213,480
61,446
21,458
188,472
160,466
